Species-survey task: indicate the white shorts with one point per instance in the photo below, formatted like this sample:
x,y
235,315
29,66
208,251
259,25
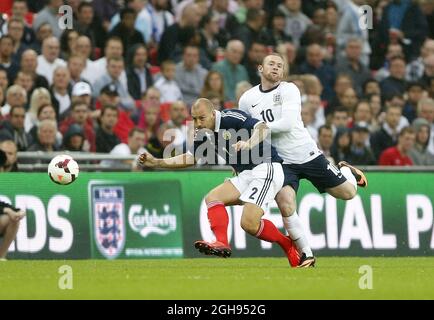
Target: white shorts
x,y
261,184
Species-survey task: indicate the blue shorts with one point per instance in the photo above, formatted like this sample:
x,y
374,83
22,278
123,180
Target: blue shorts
x,y
319,171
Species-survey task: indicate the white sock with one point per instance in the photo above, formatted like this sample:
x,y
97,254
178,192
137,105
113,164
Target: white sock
x,y
295,230
350,177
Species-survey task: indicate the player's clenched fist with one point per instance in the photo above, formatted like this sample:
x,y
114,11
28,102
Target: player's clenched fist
x,y
147,160
241,146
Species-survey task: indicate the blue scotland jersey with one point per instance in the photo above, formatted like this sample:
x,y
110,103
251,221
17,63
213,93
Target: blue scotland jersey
x,y
232,126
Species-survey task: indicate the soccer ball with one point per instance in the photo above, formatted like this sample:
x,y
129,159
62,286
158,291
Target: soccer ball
x,y
63,169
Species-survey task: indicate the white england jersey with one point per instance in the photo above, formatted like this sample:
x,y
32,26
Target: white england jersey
x,y
280,108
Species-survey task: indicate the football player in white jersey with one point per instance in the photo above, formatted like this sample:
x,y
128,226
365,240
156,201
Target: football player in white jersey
x,y
278,103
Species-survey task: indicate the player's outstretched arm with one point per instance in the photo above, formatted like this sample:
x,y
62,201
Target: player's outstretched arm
x,y
259,134
182,161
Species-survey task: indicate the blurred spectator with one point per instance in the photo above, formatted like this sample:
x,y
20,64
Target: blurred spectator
x,y
151,124
135,146
209,30
125,29
25,80
29,65
13,129
50,15
49,60
10,149
16,31
174,132
2,98
68,43
253,30
349,27
228,23
113,49
6,53
39,97
276,30
105,10
315,65
325,141
416,68
428,74
151,99
166,83
190,75
308,118
376,108
73,139
342,83
82,92
106,139
415,92
84,49
89,25
213,83
161,18
289,53
46,141
349,100
393,50
76,65
362,113
387,136
80,115
138,18
240,89
138,74
244,6
395,83
16,96
359,153
61,91
370,87
341,145
43,32
45,111
314,103
4,81
420,155
296,21
255,55
115,68
170,38
231,69
20,11
339,119
403,22
425,110
399,154
351,64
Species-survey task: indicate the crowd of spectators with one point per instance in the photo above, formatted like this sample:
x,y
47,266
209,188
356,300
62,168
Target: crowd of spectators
x,y
128,71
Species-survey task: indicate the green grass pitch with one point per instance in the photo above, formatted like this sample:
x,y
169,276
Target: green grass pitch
x,y
246,278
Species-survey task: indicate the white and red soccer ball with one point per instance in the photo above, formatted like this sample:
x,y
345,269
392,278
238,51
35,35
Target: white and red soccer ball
x,y
63,169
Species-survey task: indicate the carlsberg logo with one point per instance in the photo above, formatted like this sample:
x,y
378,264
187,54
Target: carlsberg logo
x,y
148,221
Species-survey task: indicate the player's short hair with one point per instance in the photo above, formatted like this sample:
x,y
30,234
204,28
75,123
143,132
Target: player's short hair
x,y
134,130
276,54
203,101
407,130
